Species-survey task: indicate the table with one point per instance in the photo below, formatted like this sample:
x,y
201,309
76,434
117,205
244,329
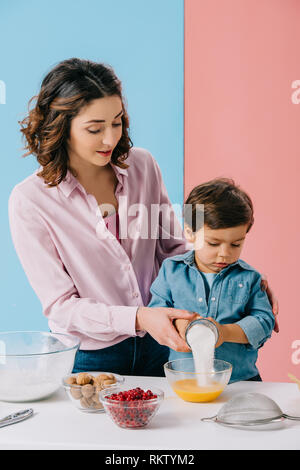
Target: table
x,y
57,424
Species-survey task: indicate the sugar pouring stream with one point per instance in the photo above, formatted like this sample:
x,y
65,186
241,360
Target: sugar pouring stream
x,y
201,336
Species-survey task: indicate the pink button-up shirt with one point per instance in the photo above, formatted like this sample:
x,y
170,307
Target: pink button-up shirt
x,y
89,283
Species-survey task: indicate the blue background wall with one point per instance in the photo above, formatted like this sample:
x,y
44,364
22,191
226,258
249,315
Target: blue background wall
x,y
143,41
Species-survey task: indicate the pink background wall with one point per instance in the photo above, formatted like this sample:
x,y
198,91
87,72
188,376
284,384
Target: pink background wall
x,y
241,57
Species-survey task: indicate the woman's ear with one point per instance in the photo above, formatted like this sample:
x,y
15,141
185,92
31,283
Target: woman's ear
x,y
189,234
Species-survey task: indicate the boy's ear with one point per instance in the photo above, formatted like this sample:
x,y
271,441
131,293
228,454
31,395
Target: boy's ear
x,y
189,234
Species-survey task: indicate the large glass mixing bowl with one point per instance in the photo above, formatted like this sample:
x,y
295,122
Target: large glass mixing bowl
x,y
33,363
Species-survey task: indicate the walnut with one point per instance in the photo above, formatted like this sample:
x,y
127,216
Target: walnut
x,y
83,378
86,402
102,377
108,382
71,380
97,381
111,377
76,392
86,387
88,390
98,406
95,398
104,380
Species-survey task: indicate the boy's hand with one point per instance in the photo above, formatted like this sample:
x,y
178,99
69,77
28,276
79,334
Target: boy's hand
x,y
231,333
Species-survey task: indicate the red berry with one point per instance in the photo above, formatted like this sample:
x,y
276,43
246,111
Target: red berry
x,y
131,409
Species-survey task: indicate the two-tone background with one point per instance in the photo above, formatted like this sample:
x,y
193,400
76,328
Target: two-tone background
x,y
211,87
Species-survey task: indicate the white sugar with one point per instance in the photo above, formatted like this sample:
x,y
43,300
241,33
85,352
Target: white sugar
x,y
202,343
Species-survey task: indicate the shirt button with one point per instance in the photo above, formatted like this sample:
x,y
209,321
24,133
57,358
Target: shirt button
x,y
200,299
213,299
135,295
241,285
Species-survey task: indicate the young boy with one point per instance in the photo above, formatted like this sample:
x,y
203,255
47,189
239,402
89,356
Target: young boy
x,y
214,282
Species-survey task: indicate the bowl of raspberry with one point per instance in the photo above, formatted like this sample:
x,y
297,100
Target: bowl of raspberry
x,y
131,409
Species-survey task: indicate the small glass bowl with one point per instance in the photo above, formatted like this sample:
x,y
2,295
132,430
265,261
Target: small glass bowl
x,y
132,414
197,387
86,397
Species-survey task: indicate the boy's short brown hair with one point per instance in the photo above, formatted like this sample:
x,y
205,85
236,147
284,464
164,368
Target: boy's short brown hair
x,y
222,203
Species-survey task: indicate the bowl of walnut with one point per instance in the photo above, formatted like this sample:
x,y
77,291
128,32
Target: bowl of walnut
x,y
84,388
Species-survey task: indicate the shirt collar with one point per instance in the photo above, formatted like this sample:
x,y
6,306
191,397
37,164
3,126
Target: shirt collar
x,y
189,258
120,172
70,182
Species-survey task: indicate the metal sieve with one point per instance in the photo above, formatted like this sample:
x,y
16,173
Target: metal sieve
x,y
250,409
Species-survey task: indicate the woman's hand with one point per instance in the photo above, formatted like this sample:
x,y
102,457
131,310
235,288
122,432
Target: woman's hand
x,y
181,326
272,299
158,322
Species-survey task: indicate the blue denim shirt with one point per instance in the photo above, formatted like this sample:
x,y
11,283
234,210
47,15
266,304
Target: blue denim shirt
x,y
235,297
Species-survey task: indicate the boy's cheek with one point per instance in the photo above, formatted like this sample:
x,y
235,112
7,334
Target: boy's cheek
x,y
199,241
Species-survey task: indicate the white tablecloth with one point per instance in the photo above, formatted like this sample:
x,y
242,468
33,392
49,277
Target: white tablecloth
x,y
57,424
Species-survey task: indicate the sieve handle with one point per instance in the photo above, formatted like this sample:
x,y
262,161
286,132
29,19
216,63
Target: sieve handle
x,y
212,418
295,418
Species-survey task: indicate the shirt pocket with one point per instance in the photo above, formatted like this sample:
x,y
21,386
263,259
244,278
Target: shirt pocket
x,y
238,291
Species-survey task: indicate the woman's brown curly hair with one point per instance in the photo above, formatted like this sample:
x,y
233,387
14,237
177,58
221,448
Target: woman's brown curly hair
x,y
68,87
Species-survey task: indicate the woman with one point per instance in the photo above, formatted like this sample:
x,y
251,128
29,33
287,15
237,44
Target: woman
x,y
78,231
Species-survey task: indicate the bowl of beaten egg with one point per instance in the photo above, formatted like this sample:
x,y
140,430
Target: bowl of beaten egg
x,y
197,387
